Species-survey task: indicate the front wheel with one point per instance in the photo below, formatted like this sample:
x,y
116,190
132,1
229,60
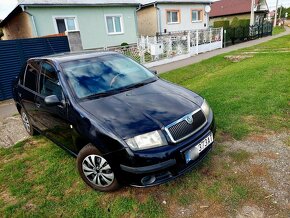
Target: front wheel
x,y
95,170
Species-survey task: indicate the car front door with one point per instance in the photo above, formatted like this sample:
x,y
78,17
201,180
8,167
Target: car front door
x,y
53,118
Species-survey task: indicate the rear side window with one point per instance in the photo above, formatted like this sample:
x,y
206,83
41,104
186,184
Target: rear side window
x,y
30,81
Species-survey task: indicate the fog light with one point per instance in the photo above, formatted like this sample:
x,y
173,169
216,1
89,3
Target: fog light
x,y
148,180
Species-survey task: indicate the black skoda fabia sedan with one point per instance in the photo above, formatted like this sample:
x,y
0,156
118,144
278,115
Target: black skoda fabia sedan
x,y
123,123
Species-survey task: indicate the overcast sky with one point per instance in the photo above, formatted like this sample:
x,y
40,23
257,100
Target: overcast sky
x,y
7,5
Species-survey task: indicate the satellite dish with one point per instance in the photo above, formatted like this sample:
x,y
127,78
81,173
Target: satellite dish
x,y
207,9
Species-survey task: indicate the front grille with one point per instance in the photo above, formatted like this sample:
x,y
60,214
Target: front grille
x,y
181,129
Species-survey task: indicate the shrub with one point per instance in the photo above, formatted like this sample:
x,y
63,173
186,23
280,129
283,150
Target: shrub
x,y
244,22
125,44
235,22
222,23
1,33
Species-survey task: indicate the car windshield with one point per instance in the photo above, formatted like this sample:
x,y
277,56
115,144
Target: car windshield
x,y
105,75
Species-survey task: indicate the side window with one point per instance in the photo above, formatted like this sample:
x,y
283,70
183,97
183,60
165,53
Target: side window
x,y
49,83
31,78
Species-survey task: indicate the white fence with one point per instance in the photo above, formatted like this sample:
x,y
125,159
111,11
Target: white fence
x,y
158,50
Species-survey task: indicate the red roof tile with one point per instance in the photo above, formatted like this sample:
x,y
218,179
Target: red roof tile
x,y
229,7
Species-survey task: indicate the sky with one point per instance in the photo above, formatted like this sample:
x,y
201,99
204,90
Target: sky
x,y
7,6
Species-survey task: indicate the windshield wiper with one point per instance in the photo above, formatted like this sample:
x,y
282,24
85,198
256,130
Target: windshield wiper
x,y
135,85
101,94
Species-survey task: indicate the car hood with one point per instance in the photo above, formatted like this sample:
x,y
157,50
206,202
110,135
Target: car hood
x,y
143,109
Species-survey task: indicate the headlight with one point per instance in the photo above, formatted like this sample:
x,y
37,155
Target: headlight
x,y
147,140
205,108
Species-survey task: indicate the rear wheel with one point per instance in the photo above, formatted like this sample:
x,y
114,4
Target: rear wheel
x,y
26,122
95,170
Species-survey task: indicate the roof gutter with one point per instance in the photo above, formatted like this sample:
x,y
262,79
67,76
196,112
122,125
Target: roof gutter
x,y
158,17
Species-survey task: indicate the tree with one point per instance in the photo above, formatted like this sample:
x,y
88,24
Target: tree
x,y
1,33
283,12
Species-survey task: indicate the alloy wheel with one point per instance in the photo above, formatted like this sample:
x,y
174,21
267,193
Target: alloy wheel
x,y
97,170
26,122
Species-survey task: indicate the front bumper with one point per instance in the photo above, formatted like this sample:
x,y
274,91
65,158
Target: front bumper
x,y
160,165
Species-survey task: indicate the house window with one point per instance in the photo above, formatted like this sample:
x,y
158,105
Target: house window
x,y
196,15
66,24
173,16
114,24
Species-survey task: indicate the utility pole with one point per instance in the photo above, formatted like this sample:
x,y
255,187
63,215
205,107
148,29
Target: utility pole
x,y
275,18
252,21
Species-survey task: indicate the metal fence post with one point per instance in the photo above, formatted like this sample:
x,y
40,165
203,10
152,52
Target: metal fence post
x,y
197,42
225,38
210,37
188,41
222,36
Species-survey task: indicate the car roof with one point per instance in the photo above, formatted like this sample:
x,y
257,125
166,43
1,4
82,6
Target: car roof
x,y
72,56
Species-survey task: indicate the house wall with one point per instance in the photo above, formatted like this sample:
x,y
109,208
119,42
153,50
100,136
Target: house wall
x,y
185,17
91,23
147,21
18,27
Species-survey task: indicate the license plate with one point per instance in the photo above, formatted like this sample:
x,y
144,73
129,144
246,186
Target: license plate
x,y
194,152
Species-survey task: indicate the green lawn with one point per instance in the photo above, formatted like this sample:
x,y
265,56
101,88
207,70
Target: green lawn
x,y
39,179
278,29
249,96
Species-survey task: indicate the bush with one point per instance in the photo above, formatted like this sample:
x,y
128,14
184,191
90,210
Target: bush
x,y
125,44
244,22
222,23
1,33
235,22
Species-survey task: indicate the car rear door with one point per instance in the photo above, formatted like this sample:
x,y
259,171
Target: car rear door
x,y
53,118
27,90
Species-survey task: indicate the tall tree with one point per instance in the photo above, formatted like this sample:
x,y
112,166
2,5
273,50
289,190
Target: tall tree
x,y
1,33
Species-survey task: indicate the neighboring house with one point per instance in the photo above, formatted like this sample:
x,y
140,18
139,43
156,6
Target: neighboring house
x,y
228,9
101,23
163,16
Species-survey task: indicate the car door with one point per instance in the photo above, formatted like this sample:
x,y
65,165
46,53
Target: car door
x,y
53,118
27,90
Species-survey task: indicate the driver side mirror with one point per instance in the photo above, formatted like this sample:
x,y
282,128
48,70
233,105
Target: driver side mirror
x,y
52,100
154,72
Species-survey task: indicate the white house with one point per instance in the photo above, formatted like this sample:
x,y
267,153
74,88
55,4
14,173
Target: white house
x,y
163,16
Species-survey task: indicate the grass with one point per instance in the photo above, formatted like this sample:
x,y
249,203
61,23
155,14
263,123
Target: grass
x,y
278,29
249,96
39,179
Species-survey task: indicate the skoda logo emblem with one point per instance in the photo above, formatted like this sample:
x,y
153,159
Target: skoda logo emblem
x,y
189,119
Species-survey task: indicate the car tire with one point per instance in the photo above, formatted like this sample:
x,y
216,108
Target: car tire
x,y
95,170
27,123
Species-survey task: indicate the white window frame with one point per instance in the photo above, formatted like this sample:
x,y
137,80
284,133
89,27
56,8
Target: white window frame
x,y
65,22
198,11
121,21
170,12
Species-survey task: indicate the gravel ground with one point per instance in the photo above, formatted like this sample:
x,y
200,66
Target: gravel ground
x,y
270,154
11,131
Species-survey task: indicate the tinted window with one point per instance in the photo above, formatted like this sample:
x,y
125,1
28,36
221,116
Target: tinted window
x,y
31,78
104,74
49,83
